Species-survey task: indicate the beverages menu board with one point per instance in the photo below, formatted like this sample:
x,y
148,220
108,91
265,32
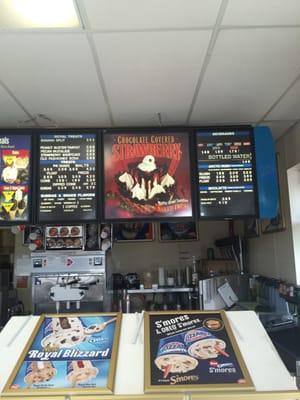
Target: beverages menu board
x,y
225,173
67,177
15,154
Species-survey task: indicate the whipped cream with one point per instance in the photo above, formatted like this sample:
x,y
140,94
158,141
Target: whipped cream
x,y
167,180
148,164
157,188
139,191
128,179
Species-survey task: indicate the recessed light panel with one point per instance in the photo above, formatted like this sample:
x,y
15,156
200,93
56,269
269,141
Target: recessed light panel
x,y
17,14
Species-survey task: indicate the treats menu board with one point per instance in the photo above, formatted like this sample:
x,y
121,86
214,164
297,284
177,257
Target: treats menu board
x,y
146,175
225,173
192,351
70,353
67,166
15,155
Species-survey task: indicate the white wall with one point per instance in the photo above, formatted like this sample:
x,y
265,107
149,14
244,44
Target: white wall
x,y
148,256
272,254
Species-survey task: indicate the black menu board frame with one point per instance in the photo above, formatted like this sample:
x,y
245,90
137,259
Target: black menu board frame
x,y
145,132
226,128
31,183
69,217
187,351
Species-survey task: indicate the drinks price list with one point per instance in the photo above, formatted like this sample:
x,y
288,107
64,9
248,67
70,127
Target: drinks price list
x,y
67,177
225,173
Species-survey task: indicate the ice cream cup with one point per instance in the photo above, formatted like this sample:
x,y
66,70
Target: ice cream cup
x,y
172,356
80,371
201,344
39,372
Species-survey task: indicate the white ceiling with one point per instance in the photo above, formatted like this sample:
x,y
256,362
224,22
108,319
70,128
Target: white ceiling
x,y
195,62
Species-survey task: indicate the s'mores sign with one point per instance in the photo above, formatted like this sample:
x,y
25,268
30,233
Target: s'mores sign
x,y
146,175
193,350
68,354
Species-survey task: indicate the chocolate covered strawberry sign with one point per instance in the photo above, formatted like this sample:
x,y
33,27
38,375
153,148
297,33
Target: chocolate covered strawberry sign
x,y
147,175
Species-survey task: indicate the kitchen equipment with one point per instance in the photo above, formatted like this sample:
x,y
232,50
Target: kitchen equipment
x,y
65,292
132,281
117,281
68,281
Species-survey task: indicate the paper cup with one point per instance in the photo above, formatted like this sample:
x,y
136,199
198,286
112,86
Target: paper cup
x,y
201,344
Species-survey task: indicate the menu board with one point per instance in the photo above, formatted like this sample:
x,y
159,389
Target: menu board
x,y
67,166
147,175
225,173
68,354
15,155
192,350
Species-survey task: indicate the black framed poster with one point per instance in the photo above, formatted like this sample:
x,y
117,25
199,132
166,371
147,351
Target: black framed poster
x,y
68,354
226,173
147,175
15,178
67,169
192,350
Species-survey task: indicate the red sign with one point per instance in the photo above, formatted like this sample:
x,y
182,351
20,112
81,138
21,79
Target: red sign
x,y
147,175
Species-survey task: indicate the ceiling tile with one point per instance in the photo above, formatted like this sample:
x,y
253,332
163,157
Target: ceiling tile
x,y
289,106
262,12
278,128
10,113
248,71
54,75
145,14
147,73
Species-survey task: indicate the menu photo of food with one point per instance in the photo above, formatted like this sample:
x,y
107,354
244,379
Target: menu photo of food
x,y
14,177
194,351
146,175
69,353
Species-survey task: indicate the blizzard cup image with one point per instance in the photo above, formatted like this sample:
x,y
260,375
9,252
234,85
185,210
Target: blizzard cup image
x,y
38,372
172,356
80,372
65,332
201,344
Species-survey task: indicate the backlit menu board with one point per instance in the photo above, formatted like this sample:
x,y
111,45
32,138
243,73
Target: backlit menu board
x,y
147,175
15,154
67,166
225,173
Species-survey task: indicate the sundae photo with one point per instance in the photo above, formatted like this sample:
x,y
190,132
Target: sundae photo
x,y
39,371
67,332
146,182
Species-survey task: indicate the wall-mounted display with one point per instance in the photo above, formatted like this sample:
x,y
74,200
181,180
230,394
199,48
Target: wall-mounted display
x,y
147,175
15,182
33,237
67,171
133,231
68,354
226,174
179,231
193,350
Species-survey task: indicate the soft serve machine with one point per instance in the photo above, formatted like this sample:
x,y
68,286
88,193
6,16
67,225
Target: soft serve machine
x,y
70,282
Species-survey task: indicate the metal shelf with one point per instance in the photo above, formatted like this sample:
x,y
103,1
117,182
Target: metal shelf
x,y
161,290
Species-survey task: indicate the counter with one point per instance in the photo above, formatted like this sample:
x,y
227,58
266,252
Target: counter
x,y
264,364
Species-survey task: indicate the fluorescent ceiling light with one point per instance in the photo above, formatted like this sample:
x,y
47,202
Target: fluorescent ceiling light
x,y
38,14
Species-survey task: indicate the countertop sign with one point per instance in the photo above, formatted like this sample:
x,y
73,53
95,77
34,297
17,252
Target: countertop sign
x,y
192,351
15,154
67,177
69,353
